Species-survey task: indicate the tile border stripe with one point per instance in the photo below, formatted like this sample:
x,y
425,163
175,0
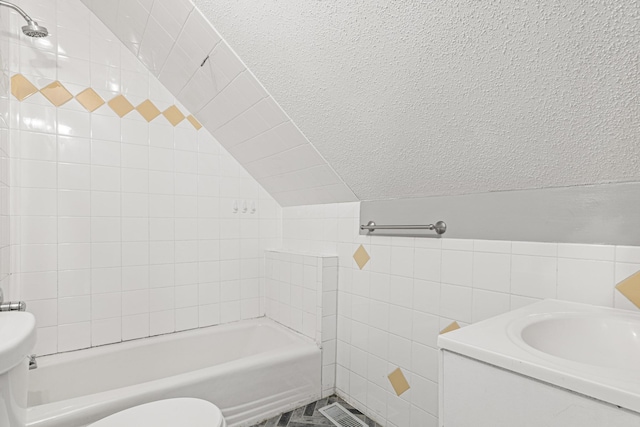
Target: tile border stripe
x,y
22,88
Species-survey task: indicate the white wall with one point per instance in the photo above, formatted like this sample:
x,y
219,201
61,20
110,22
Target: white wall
x,y
391,311
122,228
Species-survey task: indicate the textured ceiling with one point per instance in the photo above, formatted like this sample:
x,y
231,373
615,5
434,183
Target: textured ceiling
x,y
420,98
181,48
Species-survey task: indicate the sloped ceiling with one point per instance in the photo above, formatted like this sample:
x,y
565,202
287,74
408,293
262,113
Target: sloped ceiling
x,y
421,98
180,47
406,98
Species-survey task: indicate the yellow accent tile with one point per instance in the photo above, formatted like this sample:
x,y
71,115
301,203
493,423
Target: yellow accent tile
x,y
630,288
361,257
398,381
451,327
120,105
90,100
148,110
196,124
174,115
22,88
56,93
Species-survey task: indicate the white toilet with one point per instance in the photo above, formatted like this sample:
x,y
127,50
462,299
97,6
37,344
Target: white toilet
x,y
184,412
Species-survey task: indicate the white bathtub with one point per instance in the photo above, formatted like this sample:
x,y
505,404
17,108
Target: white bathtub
x,y
251,370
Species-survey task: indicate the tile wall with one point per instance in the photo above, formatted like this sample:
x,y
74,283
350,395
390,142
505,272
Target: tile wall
x,y
181,47
302,294
391,311
5,239
122,227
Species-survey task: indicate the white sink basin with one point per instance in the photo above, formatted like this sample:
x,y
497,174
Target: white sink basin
x,y
594,351
605,340
17,338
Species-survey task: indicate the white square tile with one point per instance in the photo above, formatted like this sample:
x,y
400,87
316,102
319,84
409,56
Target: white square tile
x,y
487,304
427,264
456,302
492,271
134,327
105,229
106,306
72,256
534,276
105,203
457,267
74,336
402,259
426,296
186,318
161,322
590,282
106,331
104,280
37,174
135,302
401,291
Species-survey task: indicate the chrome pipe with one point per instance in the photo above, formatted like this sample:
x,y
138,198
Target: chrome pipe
x,y
17,9
13,306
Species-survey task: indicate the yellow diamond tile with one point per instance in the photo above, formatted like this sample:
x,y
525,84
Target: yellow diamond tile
x,y
148,110
361,257
451,327
196,124
120,105
22,88
398,381
630,288
89,99
174,115
56,93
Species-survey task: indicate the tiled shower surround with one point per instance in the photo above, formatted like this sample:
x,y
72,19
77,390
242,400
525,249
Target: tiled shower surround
x,y
301,293
5,240
121,227
391,311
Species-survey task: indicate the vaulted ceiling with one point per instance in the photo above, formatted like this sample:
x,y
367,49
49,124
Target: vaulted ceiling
x,y
411,99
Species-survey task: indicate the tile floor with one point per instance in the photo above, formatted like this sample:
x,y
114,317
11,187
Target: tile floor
x,y
308,416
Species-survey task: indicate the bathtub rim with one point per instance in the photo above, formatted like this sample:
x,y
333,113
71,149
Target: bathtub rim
x,y
43,414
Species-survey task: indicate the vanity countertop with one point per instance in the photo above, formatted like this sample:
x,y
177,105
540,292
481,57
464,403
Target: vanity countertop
x,y
591,350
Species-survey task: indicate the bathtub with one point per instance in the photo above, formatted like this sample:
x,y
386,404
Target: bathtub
x,y
251,370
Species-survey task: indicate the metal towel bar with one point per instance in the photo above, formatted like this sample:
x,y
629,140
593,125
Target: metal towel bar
x,y
439,227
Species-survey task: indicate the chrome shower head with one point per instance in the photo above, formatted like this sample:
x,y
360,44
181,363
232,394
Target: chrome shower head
x,y
32,29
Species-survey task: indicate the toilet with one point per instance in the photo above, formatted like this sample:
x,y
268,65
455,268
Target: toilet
x,y
184,412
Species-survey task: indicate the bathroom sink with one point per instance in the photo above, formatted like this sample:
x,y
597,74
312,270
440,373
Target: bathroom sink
x,y
17,338
593,351
609,340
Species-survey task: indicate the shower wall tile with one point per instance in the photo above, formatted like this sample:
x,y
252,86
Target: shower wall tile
x,y
177,44
391,311
121,227
301,293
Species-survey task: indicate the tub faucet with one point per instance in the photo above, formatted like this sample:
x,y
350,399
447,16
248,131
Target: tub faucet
x,y
11,305
33,364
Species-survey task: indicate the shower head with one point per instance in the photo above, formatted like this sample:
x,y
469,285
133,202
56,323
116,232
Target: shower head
x,y
32,29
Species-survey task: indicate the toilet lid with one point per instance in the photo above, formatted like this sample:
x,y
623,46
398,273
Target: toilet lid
x,y
184,412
